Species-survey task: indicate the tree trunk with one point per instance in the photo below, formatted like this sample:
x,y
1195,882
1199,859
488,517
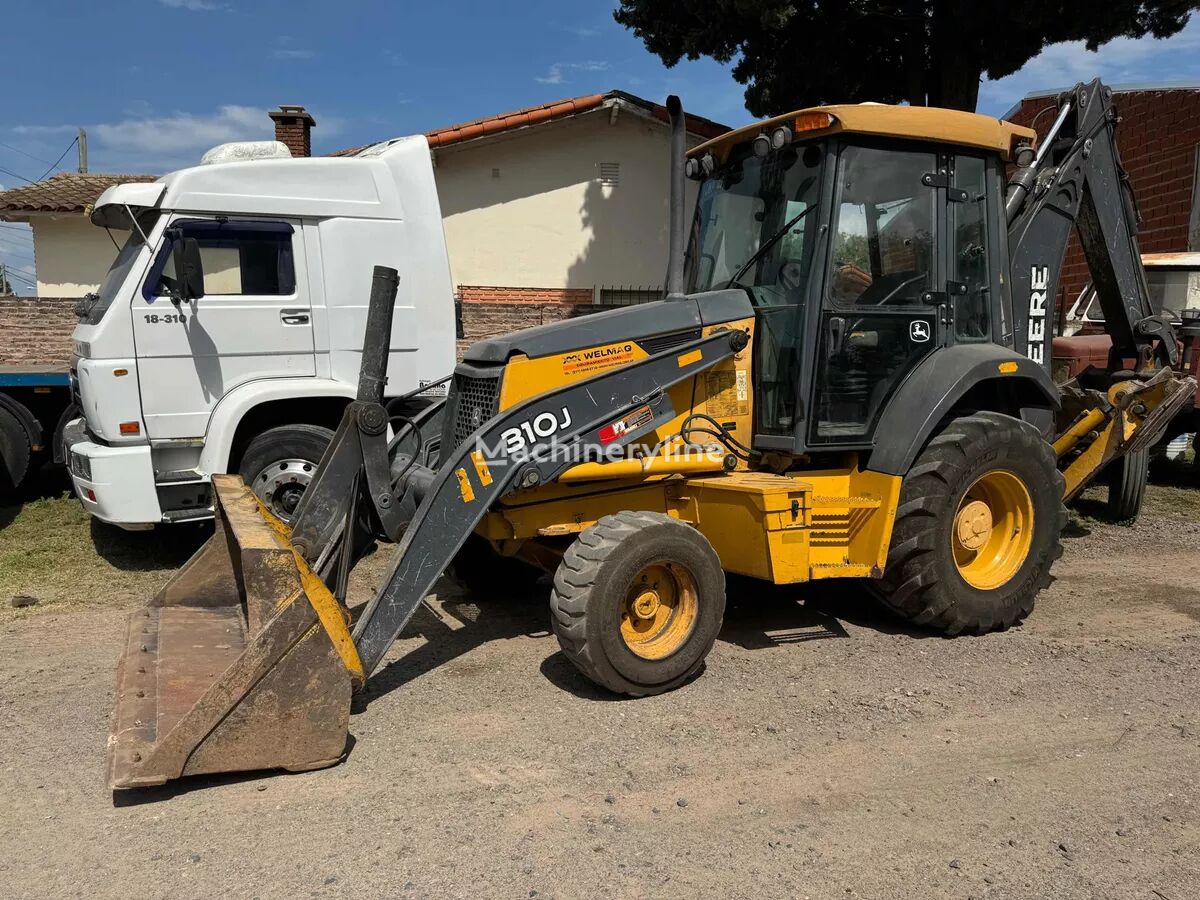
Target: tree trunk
x,y
954,58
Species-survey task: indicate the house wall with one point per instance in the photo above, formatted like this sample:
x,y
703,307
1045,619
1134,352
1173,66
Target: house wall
x,y
1158,137
528,212
36,331
71,254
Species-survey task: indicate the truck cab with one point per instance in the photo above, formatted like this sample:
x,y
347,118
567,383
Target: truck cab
x,y
249,370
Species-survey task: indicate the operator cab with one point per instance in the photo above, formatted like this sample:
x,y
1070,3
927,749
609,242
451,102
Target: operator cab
x,y
863,237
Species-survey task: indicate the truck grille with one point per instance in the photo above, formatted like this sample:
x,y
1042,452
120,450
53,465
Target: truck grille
x,y
474,398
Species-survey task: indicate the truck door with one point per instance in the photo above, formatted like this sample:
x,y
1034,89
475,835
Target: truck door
x,y
879,314
253,322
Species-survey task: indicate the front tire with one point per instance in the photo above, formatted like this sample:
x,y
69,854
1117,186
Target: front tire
x,y
977,528
637,602
280,463
1127,478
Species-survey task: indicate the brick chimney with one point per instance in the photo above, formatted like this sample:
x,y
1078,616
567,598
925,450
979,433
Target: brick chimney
x,y
293,126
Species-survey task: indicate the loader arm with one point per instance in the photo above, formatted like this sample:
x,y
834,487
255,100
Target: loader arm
x,y
490,464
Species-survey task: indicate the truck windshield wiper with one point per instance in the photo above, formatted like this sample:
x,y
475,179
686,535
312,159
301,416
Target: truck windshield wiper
x,y
774,239
84,304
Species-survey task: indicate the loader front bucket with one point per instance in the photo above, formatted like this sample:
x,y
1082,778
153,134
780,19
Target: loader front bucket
x,y
242,661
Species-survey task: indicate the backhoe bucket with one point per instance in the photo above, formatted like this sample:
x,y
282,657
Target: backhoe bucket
x,y
242,661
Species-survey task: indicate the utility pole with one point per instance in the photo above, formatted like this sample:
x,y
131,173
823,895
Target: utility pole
x,y
82,152
5,288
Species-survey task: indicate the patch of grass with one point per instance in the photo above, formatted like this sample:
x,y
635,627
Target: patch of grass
x,y
51,549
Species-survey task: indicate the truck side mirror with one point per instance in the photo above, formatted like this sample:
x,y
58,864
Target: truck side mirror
x,y
189,269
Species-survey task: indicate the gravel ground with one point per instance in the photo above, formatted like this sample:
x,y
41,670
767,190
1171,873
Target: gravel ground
x,y
827,751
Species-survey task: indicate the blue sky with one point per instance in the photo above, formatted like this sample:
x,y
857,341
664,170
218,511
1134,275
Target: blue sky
x,y
157,82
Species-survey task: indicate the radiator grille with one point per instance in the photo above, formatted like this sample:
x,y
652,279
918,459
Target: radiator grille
x,y
475,400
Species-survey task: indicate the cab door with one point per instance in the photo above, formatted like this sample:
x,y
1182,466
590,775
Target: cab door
x,y
883,297
253,322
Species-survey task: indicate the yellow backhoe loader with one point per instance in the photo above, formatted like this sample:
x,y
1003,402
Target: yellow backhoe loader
x,y
847,378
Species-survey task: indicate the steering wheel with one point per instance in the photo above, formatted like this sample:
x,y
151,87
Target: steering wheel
x,y
901,286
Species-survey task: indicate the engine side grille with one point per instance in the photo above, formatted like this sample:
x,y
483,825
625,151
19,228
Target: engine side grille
x,y
474,398
661,342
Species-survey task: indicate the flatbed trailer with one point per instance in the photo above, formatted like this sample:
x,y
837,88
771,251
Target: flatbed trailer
x,y
36,402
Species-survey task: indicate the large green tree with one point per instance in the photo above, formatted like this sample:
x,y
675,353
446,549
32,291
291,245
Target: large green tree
x,y
792,53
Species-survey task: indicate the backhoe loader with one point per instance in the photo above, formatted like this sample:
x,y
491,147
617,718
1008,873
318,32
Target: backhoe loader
x,y
848,377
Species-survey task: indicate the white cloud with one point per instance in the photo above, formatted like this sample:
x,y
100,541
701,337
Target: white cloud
x,y
557,73
1122,60
583,31
161,143
194,5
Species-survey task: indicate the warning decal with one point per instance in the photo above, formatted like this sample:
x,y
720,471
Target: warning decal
x,y
728,393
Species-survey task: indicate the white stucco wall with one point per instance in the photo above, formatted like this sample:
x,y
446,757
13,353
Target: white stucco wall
x,y
71,254
527,209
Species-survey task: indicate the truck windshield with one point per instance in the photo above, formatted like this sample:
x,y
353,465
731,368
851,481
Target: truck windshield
x,y
117,272
753,228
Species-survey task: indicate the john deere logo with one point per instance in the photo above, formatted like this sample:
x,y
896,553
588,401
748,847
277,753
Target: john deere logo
x,y
918,330
476,417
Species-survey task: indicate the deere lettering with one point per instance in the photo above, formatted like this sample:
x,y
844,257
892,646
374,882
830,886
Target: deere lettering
x,y
1039,281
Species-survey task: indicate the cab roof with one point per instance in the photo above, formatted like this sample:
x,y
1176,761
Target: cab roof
x,y
922,123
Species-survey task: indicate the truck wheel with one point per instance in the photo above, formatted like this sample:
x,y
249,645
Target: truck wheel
x,y
1127,479
484,572
637,602
280,463
977,528
14,452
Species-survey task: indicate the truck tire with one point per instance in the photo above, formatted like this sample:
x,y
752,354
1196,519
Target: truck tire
x,y
280,463
637,602
1127,479
951,567
15,452
484,573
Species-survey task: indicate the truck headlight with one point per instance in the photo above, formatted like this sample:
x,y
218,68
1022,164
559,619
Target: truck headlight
x,y
81,466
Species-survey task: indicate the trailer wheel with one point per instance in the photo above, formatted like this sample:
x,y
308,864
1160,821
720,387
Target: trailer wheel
x,y
15,452
1127,479
280,463
637,602
977,528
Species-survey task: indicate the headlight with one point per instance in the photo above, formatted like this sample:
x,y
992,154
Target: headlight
x,y
81,466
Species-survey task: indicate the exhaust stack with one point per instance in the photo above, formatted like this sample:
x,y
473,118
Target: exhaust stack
x,y
678,152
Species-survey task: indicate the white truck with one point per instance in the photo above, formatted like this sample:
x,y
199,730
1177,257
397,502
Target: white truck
x,y
246,365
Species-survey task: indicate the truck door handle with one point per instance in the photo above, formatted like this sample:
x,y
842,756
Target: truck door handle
x,y
293,316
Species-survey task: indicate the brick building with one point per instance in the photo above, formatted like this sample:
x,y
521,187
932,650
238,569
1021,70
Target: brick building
x,y
1158,136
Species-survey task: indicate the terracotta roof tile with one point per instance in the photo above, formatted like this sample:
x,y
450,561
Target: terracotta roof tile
x,y
546,112
66,192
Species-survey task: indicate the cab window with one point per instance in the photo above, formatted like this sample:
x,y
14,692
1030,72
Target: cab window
x,y
239,259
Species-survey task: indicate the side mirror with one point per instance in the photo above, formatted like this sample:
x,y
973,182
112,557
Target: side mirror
x,y
189,269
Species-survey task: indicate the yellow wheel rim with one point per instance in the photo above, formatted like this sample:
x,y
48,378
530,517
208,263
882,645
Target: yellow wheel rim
x,y
993,530
659,610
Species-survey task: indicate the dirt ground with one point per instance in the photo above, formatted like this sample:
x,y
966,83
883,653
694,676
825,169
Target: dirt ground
x,y
827,751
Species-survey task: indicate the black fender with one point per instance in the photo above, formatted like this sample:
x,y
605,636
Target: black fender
x,y
998,379
33,428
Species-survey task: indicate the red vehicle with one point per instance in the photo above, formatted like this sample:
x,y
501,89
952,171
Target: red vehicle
x,y
1174,283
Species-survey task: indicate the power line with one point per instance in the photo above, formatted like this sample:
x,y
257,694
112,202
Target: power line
x,y
22,152
13,273
17,232
15,175
60,159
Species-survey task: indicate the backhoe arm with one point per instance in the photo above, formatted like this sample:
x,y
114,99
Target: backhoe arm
x,y
1076,180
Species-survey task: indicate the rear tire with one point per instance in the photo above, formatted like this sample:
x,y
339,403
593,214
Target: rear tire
x,y
977,528
637,602
1127,479
15,452
280,463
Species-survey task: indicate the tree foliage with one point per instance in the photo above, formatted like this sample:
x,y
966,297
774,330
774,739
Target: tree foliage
x,y
793,53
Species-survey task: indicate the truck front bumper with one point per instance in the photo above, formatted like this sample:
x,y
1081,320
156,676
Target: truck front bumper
x,y
114,484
